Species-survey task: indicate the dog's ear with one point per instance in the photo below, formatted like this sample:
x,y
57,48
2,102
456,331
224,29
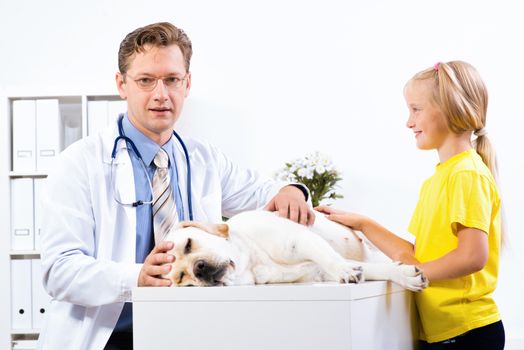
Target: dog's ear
x,y
221,230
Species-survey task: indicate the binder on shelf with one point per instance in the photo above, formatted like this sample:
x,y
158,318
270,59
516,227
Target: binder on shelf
x,y
24,135
71,119
48,133
21,311
114,108
103,113
96,116
41,300
24,344
39,183
22,214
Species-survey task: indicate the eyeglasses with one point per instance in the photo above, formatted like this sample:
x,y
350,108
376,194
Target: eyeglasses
x,y
148,82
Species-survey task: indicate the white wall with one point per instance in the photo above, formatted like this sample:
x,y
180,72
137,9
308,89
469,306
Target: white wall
x,y
273,80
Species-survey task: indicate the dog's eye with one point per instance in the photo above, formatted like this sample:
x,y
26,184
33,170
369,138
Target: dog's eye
x,y
187,248
182,274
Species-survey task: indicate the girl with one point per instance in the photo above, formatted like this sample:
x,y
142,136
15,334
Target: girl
x,y
457,221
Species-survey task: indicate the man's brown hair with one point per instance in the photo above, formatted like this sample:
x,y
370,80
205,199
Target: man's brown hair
x,y
157,34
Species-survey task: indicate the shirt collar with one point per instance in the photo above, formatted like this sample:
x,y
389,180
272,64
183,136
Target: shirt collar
x,y
147,147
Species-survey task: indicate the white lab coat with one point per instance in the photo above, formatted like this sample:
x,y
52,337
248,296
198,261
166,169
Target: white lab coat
x,y
88,240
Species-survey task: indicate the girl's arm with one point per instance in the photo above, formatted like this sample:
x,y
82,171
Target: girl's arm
x,y
470,255
393,246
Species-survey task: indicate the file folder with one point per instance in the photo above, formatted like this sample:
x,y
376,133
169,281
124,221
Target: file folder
x,y
41,299
48,133
24,139
71,119
22,214
38,185
21,318
96,116
24,344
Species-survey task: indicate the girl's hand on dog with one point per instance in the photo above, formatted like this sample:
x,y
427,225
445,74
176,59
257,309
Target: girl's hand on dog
x,y
351,220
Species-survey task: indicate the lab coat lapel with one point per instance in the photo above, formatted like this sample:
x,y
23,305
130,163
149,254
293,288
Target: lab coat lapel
x,y
122,182
181,165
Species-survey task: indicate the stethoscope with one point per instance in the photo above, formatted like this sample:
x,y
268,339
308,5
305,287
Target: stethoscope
x,y
130,143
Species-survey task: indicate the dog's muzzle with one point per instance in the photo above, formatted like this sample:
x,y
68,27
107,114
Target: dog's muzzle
x,y
209,273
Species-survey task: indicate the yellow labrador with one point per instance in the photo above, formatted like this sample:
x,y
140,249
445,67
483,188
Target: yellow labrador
x,y
258,247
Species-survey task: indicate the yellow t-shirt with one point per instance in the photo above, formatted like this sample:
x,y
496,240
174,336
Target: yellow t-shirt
x,y
462,190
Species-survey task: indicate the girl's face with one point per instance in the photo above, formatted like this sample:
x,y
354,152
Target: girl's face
x,y
425,118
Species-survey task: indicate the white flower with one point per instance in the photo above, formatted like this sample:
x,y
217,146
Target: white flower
x,y
305,172
284,175
311,163
315,171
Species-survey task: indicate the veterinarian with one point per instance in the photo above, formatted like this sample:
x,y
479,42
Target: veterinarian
x,y
97,240
457,221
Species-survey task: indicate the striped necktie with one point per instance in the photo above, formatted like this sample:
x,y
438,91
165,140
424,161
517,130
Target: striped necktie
x,y
164,209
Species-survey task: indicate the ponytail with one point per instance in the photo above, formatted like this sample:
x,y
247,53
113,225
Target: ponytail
x,y
486,151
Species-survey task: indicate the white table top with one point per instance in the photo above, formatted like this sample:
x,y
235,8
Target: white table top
x,y
282,292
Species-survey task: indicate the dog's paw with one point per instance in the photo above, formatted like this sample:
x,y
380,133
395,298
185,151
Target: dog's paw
x,y
409,277
346,273
262,274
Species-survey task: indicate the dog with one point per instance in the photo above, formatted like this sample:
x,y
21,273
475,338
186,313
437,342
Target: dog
x,y
259,247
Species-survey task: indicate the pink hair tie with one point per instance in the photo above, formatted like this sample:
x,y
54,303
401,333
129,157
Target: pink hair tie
x,y
436,66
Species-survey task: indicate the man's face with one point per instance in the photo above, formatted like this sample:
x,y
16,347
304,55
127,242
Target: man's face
x,y
154,110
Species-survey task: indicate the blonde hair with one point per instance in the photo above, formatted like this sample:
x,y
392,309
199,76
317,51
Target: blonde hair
x,y
463,98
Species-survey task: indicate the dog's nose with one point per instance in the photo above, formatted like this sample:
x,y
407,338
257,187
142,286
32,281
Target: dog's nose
x,y
207,272
202,270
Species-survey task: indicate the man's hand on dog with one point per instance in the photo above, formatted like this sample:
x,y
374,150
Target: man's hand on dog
x,y
154,266
290,203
